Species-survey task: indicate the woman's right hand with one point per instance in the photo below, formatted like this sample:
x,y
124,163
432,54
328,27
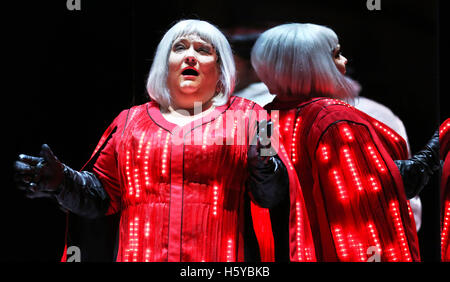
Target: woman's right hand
x,y
39,177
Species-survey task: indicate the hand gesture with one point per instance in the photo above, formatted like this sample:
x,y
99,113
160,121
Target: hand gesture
x,y
41,176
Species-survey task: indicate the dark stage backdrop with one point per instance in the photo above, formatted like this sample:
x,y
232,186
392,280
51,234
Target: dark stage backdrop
x,y
74,71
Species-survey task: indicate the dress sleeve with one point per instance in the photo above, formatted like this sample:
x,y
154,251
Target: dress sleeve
x,y
363,194
104,162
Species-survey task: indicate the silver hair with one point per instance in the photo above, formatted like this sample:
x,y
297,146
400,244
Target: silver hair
x,y
157,79
297,60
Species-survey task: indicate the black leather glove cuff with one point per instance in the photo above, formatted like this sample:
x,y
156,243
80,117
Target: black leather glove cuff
x,y
82,193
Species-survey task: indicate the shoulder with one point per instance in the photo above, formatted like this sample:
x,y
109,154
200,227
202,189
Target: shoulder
x,y
322,114
126,115
327,111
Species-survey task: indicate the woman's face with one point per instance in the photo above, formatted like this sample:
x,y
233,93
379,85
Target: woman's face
x,y
339,60
193,72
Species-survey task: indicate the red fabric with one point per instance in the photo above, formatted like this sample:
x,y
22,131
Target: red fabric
x,y
263,229
179,193
444,142
353,190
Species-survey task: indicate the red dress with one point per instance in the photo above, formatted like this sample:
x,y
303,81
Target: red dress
x,y
444,142
353,190
180,192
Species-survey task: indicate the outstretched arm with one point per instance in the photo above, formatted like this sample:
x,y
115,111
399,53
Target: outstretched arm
x,y
79,192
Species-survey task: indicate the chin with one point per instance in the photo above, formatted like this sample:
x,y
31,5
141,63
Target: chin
x,y
188,89
189,92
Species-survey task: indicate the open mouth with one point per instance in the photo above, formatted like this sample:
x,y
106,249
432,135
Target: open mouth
x,y
190,71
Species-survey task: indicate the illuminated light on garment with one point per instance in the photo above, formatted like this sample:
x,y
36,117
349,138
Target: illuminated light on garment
x,y
410,212
126,256
230,256
324,151
215,199
340,243
287,124
133,239
308,254
299,231
294,140
233,131
141,142
375,241
303,253
136,183
337,102
165,155
147,255
374,184
146,157
391,254
275,116
376,159
133,113
346,133
393,206
217,127
445,227
147,229
351,166
159,134
128,173
338,181
205,136
237,119
386,131
357,247
288,162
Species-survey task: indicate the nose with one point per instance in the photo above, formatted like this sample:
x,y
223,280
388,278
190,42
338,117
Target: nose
x,y
345,60
190,61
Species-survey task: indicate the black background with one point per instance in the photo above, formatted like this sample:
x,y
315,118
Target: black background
x,y
72,72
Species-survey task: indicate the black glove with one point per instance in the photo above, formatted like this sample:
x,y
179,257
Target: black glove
x,y
268,178
39,177
79,192
417,171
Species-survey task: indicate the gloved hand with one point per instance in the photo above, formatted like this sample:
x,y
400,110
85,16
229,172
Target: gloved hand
x,y
268,178
417,171
39,177
261,142
79,192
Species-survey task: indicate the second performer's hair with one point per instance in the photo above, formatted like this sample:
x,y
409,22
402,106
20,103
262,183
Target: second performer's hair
x,y
297,60
157,79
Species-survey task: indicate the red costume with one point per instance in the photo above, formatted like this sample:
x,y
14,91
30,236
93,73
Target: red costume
x,y
180,193
444,142
353,190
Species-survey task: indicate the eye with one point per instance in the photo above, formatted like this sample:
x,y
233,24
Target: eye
x,y
337,54
204,50
178,47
